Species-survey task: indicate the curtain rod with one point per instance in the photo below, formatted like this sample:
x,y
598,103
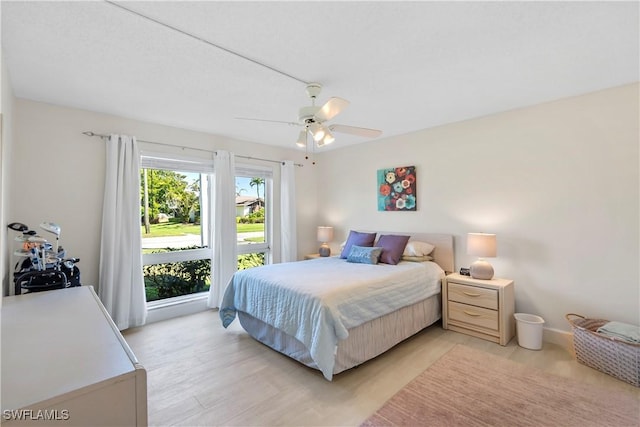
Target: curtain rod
x,y
90,133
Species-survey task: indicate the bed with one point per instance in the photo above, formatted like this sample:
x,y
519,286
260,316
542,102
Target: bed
x,y
332,315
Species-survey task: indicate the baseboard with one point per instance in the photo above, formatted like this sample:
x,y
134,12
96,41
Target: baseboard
x,y
556,336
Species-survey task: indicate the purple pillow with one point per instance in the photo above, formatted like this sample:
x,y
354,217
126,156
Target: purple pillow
x,y
392,248
359,239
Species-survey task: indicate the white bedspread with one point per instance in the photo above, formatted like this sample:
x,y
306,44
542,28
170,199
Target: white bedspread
x,y
317,300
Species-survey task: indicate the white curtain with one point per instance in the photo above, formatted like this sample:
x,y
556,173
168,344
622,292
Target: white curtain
x,y
223,230
289,248
121,282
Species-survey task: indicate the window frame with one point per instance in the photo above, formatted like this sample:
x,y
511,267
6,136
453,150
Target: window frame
x,y
204,166
253,171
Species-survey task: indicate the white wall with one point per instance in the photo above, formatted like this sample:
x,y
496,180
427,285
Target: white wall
x,y
59,173
557,183
6,144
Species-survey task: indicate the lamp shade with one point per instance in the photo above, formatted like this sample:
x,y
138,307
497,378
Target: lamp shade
x,y
325,234
481,244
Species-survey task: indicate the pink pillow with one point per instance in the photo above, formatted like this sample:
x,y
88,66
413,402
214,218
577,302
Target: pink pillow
x,y
392,248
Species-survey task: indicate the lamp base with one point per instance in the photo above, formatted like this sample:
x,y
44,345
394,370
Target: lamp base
x,y
482,270
324,250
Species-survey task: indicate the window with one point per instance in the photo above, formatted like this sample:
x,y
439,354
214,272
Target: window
x,y
253,215
174,211
175,226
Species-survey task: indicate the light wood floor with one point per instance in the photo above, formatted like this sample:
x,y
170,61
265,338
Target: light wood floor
x,y
201,374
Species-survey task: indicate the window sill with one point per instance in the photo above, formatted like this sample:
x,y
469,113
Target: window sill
x,y
169,308
167,302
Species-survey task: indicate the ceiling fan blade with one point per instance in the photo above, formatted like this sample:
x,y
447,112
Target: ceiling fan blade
x,y
266,120
369,133
331,108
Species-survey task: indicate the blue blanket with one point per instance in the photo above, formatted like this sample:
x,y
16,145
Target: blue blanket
x,y
623,331
317,301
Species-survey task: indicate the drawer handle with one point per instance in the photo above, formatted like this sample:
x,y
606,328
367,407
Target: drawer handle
x,y
470,313
471,294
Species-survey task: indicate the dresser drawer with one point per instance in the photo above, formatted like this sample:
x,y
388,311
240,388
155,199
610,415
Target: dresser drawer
x,y
472,315
480,297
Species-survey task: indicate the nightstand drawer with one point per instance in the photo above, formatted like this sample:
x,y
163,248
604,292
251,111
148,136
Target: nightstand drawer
x,y
473,315
480,308
481,297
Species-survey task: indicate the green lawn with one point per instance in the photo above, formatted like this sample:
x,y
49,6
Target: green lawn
x,y
171,229
180,229
245,228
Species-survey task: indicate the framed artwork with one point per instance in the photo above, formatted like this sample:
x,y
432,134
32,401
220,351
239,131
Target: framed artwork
x,y
397,189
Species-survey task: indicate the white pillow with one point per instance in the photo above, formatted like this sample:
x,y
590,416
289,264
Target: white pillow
x,y
416,258
415,248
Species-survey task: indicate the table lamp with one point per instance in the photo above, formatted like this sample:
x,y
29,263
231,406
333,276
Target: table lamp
x,y
481,245
325,235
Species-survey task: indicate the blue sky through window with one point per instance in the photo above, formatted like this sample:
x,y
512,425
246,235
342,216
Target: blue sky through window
x,y
243,187
242,184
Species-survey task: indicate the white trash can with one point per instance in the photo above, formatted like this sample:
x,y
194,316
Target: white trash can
x,y
529,330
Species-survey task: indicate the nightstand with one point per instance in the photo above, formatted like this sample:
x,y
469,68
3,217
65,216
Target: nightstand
x,y
482,308
312,256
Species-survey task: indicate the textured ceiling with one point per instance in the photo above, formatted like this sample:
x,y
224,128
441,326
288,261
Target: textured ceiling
x,y
404,66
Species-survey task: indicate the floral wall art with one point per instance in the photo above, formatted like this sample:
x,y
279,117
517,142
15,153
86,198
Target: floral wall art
x,y
397,189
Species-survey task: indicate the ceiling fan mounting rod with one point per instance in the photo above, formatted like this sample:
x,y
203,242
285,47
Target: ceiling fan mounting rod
x,y
313,90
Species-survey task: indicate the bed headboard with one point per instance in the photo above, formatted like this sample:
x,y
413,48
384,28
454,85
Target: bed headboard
x,y
442,254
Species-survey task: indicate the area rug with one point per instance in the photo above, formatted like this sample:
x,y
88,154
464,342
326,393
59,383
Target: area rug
x,y
468,387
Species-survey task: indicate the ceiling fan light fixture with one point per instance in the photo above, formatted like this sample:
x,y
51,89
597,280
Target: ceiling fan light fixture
x,y
315,121
302,139
328,138
317,131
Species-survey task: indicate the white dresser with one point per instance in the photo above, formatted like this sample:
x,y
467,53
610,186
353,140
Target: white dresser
x,y
64,362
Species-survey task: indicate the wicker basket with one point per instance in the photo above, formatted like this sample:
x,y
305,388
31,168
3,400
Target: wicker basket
x,y
612,356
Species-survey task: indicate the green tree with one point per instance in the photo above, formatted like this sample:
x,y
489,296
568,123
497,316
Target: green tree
x,y
190,201
169,192
256,182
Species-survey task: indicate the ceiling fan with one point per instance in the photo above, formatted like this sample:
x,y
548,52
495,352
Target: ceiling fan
x,y
312,119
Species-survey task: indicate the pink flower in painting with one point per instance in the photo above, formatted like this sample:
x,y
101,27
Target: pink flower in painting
x,y
385,189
